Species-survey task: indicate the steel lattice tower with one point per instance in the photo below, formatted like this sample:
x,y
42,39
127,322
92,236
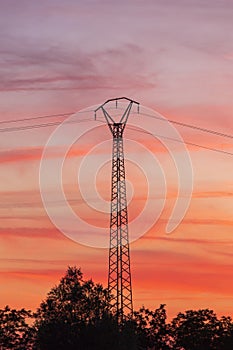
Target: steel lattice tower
x,y
119,274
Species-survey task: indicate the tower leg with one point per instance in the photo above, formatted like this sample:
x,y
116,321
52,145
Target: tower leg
x,y
119,277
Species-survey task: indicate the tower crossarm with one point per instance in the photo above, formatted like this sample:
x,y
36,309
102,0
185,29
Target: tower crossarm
x,y
113,125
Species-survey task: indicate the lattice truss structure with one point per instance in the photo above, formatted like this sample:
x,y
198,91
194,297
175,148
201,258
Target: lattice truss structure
x,y
119,274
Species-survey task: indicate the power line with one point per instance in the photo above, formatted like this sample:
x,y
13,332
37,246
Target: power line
x,y
35,118
36,126
180,141
49,124
28,127
214,132
44,125
43,117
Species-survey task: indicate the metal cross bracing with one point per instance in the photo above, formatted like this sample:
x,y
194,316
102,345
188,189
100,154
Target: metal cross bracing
x,y
119,274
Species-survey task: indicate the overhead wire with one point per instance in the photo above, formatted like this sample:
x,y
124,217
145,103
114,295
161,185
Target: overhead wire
x,y
43,125
179,141
9,121
184,142
28,127
56,123
35,118
191,126
44,117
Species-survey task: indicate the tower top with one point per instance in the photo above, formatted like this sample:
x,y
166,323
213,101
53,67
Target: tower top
x,y
117,126
117,99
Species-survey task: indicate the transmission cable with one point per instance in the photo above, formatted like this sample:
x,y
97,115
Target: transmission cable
x,y
42,117
180,141
214,132
43,125
28,127
49,124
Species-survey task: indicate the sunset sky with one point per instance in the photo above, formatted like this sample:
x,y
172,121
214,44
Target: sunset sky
x,y
173,56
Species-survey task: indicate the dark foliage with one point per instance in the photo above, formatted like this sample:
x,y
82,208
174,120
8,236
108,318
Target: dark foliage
x,y
77,314
152,329
72,313
15,331
201,330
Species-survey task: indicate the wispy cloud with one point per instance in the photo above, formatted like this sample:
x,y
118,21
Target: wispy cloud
x,y
30,67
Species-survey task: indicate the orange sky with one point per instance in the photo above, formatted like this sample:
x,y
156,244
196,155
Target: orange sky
x,y
61,59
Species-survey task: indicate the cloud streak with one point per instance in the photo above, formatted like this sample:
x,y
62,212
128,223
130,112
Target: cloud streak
x,y
54,69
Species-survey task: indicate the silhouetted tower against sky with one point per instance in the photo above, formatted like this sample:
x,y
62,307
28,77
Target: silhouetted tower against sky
x,y
119,275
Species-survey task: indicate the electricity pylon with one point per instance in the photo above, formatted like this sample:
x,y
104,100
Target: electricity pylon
x,y
119,274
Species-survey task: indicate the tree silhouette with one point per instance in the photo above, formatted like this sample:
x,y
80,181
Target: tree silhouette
x,y
15,332
201,330
152,329
77,314
75,298
224,339
72,311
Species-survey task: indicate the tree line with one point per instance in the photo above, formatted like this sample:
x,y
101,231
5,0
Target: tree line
x,y
77,315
